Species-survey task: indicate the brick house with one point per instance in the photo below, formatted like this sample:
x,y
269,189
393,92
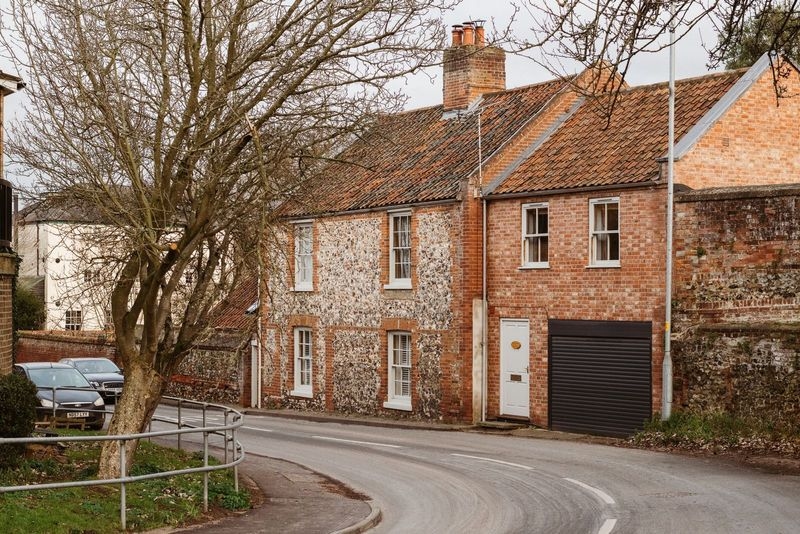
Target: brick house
x,y
375,294
9,84
576,241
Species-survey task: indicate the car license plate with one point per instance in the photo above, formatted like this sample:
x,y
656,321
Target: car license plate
x,y
76,415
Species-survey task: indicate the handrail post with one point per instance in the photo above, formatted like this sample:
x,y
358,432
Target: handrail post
x,y
225,435
122,474
205,464
179,423
235,467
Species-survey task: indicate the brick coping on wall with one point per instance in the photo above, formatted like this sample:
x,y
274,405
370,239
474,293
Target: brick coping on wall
x,y
733,193
79,336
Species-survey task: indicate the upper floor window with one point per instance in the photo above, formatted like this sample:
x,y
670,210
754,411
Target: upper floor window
x,y
400,250
303,257
73,320
302,362
399,375
604,232
535,224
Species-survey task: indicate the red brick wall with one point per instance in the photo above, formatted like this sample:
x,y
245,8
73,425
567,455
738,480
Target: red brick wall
x,y
568,289
470,71
52,346
754,142
7,270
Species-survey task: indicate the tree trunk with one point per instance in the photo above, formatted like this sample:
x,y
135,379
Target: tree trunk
x,y
140,397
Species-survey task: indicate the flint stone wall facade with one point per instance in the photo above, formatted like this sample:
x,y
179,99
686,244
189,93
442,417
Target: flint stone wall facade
x,y
350,314
736,310
212,373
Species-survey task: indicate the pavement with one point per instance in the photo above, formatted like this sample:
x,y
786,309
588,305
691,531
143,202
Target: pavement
x,y
291,498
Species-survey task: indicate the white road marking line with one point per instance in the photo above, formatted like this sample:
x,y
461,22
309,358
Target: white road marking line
x,y
359,442
607,526
257,429
527,468
605,497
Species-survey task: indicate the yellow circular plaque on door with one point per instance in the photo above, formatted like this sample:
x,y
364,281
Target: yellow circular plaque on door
x,y
515,344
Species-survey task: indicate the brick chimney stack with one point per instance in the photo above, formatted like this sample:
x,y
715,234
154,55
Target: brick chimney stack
x,y
471,68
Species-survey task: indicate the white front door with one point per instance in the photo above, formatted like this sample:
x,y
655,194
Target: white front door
x,y
514,362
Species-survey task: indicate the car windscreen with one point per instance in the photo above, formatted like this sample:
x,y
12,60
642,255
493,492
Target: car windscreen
x,y
49,378
96,366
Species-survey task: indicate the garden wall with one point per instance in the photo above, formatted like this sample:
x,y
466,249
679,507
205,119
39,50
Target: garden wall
x,y
736,309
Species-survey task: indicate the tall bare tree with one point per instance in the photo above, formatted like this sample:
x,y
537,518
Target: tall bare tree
x,y
181,122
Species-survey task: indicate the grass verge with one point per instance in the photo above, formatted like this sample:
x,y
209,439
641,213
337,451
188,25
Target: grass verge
x,y
151,504
719,432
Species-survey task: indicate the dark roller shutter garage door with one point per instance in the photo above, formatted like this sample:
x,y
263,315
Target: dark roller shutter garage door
x,y
600,376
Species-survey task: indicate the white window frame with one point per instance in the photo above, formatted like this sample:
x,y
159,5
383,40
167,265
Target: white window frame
x,y
399,371
303,363
303,257
604,234
70,322
536,236
398,248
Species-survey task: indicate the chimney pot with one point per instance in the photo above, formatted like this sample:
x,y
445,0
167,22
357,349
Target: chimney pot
x,y
458,35
480,35
469,33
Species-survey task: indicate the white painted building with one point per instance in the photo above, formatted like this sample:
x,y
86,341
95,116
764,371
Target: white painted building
x,y
60,265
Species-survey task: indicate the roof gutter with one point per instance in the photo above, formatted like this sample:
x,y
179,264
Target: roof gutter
x,y
563,191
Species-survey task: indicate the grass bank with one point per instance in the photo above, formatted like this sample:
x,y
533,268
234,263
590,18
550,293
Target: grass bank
x,y
95,509
720,433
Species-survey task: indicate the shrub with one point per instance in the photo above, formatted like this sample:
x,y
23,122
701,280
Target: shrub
x,y
18,404
28,310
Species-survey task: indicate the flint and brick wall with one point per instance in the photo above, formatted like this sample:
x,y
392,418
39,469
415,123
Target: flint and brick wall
x,y
569,289
350,313
736,311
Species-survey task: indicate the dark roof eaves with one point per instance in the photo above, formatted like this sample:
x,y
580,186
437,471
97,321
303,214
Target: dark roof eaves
x,y
702,126
503,176
571,190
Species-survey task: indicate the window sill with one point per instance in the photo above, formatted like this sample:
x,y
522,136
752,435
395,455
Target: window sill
x,y
610,265
533,266
398,285
302,289
305,393
398,405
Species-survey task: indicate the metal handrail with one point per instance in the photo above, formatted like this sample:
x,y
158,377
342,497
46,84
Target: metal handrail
x,y
237,452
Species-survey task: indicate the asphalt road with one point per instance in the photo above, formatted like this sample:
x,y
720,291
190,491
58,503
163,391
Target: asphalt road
x,y
462,482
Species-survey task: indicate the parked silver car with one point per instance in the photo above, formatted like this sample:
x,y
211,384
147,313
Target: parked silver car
x,y
66,398
102,374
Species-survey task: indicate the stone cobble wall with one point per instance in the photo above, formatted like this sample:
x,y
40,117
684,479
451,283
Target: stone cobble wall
x,y
209,375
350,313
736,311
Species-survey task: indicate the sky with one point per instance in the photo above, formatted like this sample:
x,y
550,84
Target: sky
x,y
425,89
691,58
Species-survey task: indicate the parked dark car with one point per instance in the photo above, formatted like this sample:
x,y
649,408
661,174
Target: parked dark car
x,y
76,402
102,374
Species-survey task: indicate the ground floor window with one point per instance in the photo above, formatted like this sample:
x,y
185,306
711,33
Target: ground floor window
x,y
302,362
399,375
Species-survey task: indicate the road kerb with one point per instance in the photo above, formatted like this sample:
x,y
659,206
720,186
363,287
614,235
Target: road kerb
x,y
365,524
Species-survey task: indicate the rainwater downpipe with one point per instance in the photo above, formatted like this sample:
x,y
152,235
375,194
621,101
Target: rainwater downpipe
x,y
484,296
666,366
